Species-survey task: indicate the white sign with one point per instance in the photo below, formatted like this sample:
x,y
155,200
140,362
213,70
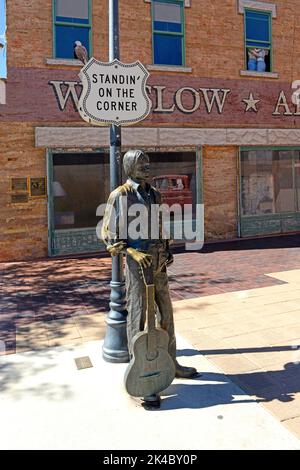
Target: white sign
x,y
113,93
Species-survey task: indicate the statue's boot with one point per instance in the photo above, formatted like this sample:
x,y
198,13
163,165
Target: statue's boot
x,y
151,401
183,372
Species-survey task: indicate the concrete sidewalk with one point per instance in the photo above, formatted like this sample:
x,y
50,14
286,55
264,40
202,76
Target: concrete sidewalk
x,y
46,403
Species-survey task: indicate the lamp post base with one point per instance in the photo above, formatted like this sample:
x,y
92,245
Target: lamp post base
x,y
115,343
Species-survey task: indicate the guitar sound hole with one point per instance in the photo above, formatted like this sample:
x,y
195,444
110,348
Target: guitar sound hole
x,y
151,357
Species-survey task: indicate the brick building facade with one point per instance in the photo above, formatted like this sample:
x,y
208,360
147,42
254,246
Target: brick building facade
x,y
233,130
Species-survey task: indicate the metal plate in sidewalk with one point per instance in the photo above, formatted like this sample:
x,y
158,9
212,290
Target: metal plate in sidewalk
x,y
83,362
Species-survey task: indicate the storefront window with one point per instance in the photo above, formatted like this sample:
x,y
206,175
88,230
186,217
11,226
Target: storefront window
x,y
283,181
270,181
80,184
297,178
174,175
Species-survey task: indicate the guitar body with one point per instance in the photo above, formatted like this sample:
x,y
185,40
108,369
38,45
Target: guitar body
x,y
146,375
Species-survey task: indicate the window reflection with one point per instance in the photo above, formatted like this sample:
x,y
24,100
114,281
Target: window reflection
x,y
174,175
267,182
80,184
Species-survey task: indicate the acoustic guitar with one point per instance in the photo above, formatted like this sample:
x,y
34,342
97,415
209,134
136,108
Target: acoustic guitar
x,y
151,368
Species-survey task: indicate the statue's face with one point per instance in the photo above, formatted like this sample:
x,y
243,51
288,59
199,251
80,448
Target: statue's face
x,y
142,168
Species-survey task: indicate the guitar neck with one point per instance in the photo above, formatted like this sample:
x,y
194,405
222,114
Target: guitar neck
x,y
150,293
150,296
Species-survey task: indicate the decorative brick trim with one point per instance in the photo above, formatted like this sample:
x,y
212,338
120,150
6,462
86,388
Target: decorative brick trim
x,y
250,73
263,6
150,137
187,3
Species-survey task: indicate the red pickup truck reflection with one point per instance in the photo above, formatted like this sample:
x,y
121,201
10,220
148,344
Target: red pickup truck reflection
x,y
174,189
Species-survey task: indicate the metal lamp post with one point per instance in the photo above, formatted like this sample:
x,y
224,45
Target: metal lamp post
x,y
115,343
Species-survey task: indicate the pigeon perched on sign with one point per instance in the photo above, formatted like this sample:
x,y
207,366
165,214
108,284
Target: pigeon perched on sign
x,y
80,52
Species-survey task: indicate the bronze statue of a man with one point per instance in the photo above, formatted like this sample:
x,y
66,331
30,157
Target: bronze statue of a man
x,y
144,251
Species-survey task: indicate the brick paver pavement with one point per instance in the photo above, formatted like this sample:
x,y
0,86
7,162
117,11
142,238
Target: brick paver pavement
x,y
55,301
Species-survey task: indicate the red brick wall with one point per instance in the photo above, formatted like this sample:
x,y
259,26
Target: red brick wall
x,y
214,48
23,227
220,192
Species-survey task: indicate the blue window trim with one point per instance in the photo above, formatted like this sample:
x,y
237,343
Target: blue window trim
x,y
269,43
3,58
80,24
169,33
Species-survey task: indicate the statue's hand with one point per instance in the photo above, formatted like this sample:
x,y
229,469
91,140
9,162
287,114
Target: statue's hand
x,y
142,259
170,259
116,249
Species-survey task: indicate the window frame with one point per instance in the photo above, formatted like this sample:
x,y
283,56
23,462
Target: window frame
x,y
270,15
65,23
170,33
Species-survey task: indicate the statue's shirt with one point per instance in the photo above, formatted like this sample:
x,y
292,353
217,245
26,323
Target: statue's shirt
x,y
132,215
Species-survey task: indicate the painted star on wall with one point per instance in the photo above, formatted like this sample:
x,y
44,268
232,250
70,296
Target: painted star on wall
x,y
251,103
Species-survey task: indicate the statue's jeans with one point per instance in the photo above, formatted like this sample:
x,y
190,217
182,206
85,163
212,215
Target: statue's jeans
x,y
136,298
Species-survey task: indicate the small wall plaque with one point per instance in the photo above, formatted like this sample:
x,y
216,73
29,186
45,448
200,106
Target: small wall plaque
x,y
19,198
19,184
38,187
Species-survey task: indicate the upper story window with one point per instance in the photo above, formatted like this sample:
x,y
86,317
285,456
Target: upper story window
x,y
258,40
72,22
3,70
168,32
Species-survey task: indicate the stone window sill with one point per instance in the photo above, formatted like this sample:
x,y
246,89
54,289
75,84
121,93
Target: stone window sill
x,y
169,68
249,73
187,3
71,62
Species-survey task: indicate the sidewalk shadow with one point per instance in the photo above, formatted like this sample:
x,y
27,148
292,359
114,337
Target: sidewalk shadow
x,y
53,289
281,385
13,378
196,395
221,352
265,385
271,242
